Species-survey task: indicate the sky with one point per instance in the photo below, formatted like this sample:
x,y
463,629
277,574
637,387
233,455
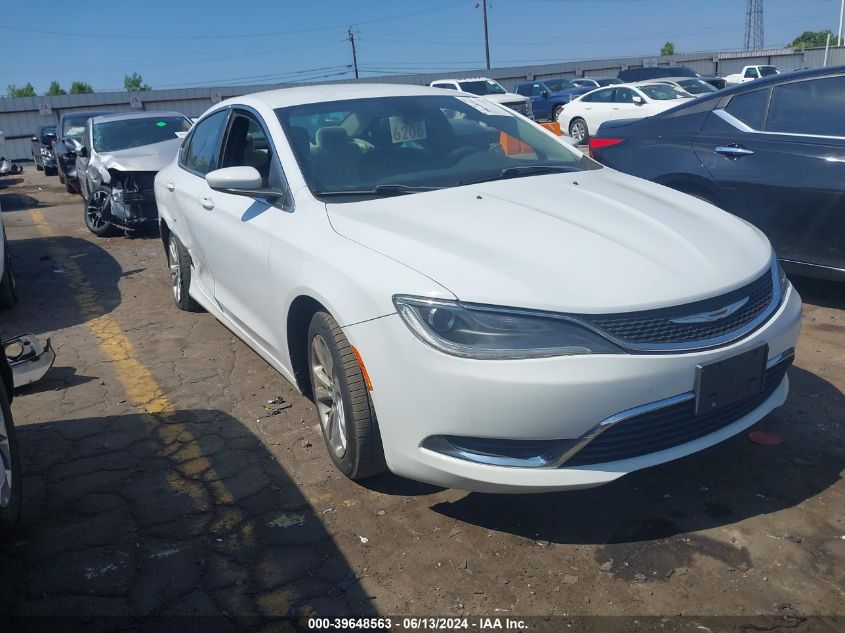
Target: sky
x,y
185,43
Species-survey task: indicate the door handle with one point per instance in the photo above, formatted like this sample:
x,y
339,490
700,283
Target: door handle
x,y
171,186
206,202
733,151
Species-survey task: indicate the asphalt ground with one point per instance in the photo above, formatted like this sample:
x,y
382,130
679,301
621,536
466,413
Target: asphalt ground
x,y
158,481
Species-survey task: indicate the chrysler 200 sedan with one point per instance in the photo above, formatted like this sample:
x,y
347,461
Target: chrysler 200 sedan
x,y
468,300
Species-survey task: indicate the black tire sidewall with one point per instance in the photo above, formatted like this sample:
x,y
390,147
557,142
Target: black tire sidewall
x,y
320,325
10,515
186,301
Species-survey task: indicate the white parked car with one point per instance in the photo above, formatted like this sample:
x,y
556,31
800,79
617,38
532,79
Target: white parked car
x,y
489,89
483,317
750,73
583,116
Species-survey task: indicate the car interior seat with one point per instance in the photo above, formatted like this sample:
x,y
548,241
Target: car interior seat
x,y
336,156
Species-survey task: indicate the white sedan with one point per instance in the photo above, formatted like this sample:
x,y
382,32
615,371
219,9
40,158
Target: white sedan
x,y
583,116
469,301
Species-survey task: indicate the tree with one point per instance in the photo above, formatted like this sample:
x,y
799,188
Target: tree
x,y
55,89
668,49
134,83
24,91
80,88
812,39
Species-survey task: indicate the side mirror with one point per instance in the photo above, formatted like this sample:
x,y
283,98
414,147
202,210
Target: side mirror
x,y
82,151
241,181
638,100
35,138
544,94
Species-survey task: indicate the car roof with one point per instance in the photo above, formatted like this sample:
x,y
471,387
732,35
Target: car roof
x,y
86,113
285,97
125,116
464,79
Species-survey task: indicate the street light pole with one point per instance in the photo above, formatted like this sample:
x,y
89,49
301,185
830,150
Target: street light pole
x,y
487,39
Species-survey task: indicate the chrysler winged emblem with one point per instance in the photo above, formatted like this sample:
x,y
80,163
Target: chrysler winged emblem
x,y
712,315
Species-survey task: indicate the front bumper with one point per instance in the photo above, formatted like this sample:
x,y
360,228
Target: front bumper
x,y
420,393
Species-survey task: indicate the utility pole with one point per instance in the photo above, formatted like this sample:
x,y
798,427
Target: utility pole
x,y
350,35
753,24
486,36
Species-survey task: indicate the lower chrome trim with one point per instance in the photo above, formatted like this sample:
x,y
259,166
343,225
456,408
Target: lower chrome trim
x,y
441,444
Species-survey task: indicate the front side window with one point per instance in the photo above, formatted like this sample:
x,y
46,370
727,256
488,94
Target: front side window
x,y
814,106
482,87
201,151
624,95
391,145
112,136
247,145
749,108
556,85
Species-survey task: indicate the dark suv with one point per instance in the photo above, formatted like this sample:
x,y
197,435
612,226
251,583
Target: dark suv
x,y
71,126
658,72
42,149
771,151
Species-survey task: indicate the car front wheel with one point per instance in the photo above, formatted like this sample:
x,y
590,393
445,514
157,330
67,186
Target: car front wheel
x,y
342,399
97,209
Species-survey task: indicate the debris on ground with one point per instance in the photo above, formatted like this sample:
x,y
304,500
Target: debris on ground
x,y
275,407
364,540
287,520
569,580
764,438
606,566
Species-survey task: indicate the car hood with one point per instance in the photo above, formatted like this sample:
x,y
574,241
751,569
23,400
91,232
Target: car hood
x,y
508,97
590,242
143,158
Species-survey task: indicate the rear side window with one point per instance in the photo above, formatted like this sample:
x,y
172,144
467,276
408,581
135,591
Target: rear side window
x,y
446,86
750,108
809,107
600,96
201,150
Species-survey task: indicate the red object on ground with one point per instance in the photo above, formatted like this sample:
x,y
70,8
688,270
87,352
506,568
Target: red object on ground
x,y
764,438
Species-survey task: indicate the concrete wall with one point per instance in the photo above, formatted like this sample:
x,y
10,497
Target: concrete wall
x,y
19,117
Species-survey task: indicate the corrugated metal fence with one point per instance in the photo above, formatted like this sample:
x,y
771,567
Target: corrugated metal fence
x,y
19,117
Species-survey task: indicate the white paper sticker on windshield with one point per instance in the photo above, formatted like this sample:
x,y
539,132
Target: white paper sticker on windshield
x,y
403,130
483,105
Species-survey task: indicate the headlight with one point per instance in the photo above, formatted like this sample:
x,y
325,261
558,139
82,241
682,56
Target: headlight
x,y
493,333
784,280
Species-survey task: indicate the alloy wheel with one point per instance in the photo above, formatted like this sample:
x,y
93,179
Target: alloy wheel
x,y
96,209
175,270
578,131
328,396
5,464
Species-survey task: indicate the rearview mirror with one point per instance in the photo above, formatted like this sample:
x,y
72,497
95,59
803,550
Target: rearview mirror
x,y
241,181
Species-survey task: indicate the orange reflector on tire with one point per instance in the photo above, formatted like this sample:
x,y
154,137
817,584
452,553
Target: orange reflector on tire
x,y
363,369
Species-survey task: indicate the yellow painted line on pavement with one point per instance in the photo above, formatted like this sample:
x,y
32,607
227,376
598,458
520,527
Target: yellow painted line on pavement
x,y
142,390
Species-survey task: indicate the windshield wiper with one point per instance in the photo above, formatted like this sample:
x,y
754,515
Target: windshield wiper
x,y
378,190
518,171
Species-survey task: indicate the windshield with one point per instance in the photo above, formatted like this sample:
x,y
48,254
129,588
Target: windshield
x,y
111,136
47,129
74,126
402,144
768,71
556,85
482,87
696,86
663,92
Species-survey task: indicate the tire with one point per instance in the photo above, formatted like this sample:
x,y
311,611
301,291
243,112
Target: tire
x,y
8,285
342,401
61,175
578,127
95,208
69,187
10,495
180,275
556,112
38,167
50,172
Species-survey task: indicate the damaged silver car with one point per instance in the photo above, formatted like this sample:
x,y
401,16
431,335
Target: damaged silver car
x,y
117,160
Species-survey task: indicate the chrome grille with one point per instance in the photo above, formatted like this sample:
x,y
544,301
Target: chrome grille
x,y
658,327
518,106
